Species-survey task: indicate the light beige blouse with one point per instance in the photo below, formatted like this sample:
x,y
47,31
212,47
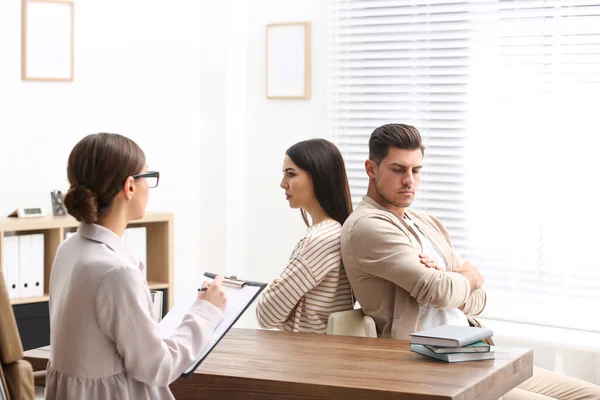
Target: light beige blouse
x,y
105,342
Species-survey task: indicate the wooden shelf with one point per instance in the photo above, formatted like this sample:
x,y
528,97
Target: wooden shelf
x,y
29,300
41,299
9,224
158,285
159,247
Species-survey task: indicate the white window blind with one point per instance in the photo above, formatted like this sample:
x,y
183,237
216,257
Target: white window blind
x,y
506,96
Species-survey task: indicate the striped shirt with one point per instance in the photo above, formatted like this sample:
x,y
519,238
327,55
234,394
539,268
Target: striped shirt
x,y
312,286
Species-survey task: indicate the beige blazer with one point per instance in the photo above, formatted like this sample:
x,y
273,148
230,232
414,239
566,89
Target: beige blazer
x,y
380,252
105,342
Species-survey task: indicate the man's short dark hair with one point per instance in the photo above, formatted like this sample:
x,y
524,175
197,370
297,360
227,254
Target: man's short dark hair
x,y
400,136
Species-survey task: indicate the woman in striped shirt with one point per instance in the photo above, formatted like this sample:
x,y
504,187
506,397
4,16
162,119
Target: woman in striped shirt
x,y
314,283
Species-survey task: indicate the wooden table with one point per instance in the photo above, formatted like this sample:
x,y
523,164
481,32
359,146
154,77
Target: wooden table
x,y
258,364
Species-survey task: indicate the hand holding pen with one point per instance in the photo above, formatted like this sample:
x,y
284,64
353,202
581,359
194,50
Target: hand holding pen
x,y
213,293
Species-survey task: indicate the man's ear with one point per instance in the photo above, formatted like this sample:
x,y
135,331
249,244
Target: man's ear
x,y
371,168
129,188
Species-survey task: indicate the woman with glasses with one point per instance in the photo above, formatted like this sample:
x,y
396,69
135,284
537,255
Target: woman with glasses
x,y
105,342
313,284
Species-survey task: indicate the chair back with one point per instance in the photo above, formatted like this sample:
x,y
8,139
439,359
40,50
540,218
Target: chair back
x,y
351,323
16,374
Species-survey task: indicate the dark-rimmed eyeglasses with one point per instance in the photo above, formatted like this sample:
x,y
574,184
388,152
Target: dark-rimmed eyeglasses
x,y
151,177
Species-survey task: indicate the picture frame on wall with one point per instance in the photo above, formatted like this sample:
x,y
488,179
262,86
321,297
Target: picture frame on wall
x,y
288,60
47,40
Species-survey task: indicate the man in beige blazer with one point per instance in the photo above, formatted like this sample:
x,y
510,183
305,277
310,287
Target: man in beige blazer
x,y
382,241
401,264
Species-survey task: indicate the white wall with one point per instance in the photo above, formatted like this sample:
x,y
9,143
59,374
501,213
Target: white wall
x,y
259,228
271,228
187,82
141,75
275,125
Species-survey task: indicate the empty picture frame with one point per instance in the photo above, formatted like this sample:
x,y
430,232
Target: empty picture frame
x,y
47,40
288,60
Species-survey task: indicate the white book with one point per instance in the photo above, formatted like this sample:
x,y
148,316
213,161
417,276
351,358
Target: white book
x,y
25,266
452,357
11,266
157,302
31,265
477,347
37,264
450,335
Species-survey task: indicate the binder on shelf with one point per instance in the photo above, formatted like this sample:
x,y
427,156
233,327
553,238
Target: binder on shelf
x,y
11,266
31,265
25,261
37,265
157,303
240,294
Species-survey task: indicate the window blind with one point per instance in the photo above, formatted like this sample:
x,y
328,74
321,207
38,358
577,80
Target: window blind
x,y
505,95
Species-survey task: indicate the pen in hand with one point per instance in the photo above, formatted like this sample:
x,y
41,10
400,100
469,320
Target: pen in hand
x,y
216,295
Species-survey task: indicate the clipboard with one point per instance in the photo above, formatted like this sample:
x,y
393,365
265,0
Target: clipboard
x,y
248,292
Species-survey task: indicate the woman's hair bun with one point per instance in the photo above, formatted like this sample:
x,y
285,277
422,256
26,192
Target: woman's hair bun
x,y
82,203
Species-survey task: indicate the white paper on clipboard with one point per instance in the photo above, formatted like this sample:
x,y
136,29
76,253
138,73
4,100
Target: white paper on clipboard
x,y
238,300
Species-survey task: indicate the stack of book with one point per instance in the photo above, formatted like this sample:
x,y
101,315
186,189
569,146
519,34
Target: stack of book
x,y
452,343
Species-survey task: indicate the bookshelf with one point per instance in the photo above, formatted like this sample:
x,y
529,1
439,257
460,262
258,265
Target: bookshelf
x,y
159,248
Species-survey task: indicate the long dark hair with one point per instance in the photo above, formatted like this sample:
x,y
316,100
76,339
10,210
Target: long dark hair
x,y
97,165
325,164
